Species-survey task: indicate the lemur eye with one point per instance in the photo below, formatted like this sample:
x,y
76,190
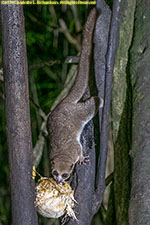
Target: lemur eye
x,y
55,173
64,175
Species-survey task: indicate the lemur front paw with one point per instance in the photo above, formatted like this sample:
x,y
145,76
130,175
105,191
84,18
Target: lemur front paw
x,y
84,160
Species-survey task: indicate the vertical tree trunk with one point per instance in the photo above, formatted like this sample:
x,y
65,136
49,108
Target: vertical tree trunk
x,y
139,212
85,180
18,115
121,116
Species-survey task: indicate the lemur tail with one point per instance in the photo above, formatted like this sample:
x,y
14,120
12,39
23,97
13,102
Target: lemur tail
x,y
82,78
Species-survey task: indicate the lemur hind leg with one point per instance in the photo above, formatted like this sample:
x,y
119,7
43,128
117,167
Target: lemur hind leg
x,y
89,108
87,111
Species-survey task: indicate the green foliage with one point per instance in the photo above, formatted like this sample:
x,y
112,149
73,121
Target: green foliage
x,y
109,2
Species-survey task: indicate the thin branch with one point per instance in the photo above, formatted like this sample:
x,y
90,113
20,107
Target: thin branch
x,y
68,84
38,149
74,9
53,13
1,78
38,109
72,59
1,75
110,61
43,64
36,21
67,34
109,179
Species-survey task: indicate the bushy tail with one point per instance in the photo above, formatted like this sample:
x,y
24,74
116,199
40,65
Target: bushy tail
x,y
82,78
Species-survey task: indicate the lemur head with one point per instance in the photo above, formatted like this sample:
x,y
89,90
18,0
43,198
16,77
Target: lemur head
x,y
61,170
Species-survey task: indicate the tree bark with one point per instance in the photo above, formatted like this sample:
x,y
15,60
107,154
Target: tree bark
x,y
120,79
101,36
113,42
85,180
122,116
88,197
18,115
139,211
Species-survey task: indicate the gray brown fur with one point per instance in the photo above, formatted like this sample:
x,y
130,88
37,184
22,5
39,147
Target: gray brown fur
x,y
67,120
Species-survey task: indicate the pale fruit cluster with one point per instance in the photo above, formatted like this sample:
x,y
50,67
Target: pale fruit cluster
x,y
54,200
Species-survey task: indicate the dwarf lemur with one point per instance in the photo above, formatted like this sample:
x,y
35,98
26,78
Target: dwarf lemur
x,y
66,122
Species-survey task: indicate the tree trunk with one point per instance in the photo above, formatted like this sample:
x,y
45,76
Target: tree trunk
x,y
121,116
18,115
85,180
139,211
89,197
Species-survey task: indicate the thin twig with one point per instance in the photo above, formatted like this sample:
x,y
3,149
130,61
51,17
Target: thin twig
x,y
67,34
109,179
53,13
76,18
68,84
38,148
72,59
1,75
43,64
38,109
1,78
